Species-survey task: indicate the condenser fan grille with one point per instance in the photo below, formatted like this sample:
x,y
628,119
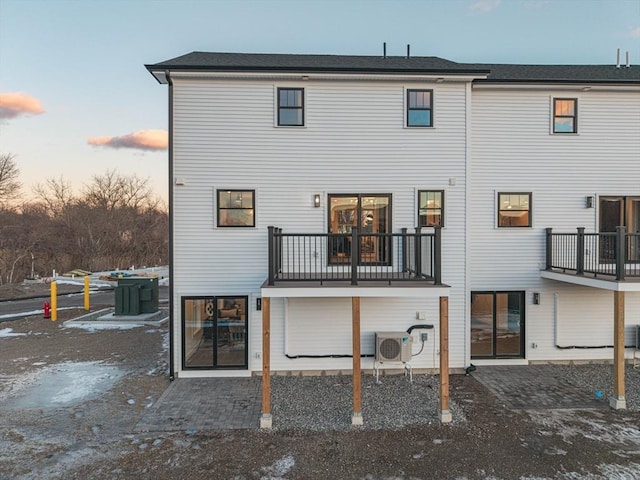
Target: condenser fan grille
x,y
390,348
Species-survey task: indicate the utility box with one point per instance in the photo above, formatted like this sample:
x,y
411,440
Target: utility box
x,y
137,295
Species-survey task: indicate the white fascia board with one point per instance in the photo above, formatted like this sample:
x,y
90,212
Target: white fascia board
x,y
356,291
591,282
311,76
574,87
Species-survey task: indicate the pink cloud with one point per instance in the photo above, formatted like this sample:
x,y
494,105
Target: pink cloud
x,y
141,140
635,33
14,104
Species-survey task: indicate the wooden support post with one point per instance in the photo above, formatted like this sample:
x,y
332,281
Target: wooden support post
x,y
445,414
618,400
356,417
265,419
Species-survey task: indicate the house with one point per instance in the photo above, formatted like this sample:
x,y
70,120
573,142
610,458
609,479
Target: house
x,y
320,204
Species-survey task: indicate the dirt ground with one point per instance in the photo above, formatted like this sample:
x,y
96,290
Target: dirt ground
x,y
94,439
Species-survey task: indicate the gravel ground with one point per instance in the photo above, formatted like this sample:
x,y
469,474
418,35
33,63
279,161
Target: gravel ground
x,y
324,403
94,439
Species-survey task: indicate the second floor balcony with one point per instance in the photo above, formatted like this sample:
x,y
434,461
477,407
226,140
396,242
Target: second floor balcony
x,y
355,258
613,256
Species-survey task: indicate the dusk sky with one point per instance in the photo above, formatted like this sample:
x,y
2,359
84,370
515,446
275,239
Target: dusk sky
x,y
76,100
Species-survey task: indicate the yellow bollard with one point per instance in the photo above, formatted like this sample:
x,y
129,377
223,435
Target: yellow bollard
x,y
86,293
54,301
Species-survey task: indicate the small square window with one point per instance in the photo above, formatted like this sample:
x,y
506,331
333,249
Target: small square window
x,y
565,115
514,209
430,208
291,107
419,108
236,208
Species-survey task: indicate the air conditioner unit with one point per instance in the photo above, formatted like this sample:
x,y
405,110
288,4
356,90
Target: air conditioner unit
x,y
393,347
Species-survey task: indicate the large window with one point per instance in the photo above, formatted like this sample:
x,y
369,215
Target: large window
x,y
565,115
430,208
214,332
291,107
371,214
419,108
236,208
514,209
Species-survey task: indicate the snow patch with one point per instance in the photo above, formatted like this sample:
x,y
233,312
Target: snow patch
x,y
57,385
279,468
102,326
31,312
6,333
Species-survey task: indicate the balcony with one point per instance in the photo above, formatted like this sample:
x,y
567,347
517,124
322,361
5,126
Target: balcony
x,y
613,257
355,258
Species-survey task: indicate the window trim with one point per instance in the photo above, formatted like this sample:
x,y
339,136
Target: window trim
x,y
529,210
441,208
554,116
235,191
302,107
408,109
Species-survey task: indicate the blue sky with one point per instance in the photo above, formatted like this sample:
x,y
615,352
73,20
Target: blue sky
x,y
76,100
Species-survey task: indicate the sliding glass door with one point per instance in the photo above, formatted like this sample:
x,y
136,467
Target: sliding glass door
x,y
497,325
614,212
214,332
371,214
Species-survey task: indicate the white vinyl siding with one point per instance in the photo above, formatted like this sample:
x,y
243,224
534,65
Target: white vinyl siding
x,y
354,142
513,151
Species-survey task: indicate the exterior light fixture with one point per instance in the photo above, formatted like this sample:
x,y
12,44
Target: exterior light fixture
x,y
589,202
316,200
536,298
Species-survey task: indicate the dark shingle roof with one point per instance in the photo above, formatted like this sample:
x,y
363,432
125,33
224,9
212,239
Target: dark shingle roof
x,y
498,73
559,73
251,62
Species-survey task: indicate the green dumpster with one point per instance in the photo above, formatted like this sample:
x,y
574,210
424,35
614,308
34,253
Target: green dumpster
x,y
136,295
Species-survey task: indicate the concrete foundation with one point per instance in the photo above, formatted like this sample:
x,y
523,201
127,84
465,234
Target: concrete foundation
x,y
266,421
357,419
445,416
618,403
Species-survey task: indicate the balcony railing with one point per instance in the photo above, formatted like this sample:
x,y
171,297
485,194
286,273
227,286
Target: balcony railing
x,y
615,254
355,257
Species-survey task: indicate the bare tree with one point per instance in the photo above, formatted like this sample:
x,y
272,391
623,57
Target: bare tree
x,y
57,196
116,221
9,173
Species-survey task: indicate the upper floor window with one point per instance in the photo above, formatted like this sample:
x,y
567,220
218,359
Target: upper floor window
x,y
430,208
419,108
565,115
291,106
514,209
236,208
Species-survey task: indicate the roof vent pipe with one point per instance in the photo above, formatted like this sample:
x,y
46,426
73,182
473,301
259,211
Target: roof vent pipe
x,y
618,59
384,50
628,64
408,51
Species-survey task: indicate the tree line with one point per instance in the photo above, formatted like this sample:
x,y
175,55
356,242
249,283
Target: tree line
x,y
115,221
